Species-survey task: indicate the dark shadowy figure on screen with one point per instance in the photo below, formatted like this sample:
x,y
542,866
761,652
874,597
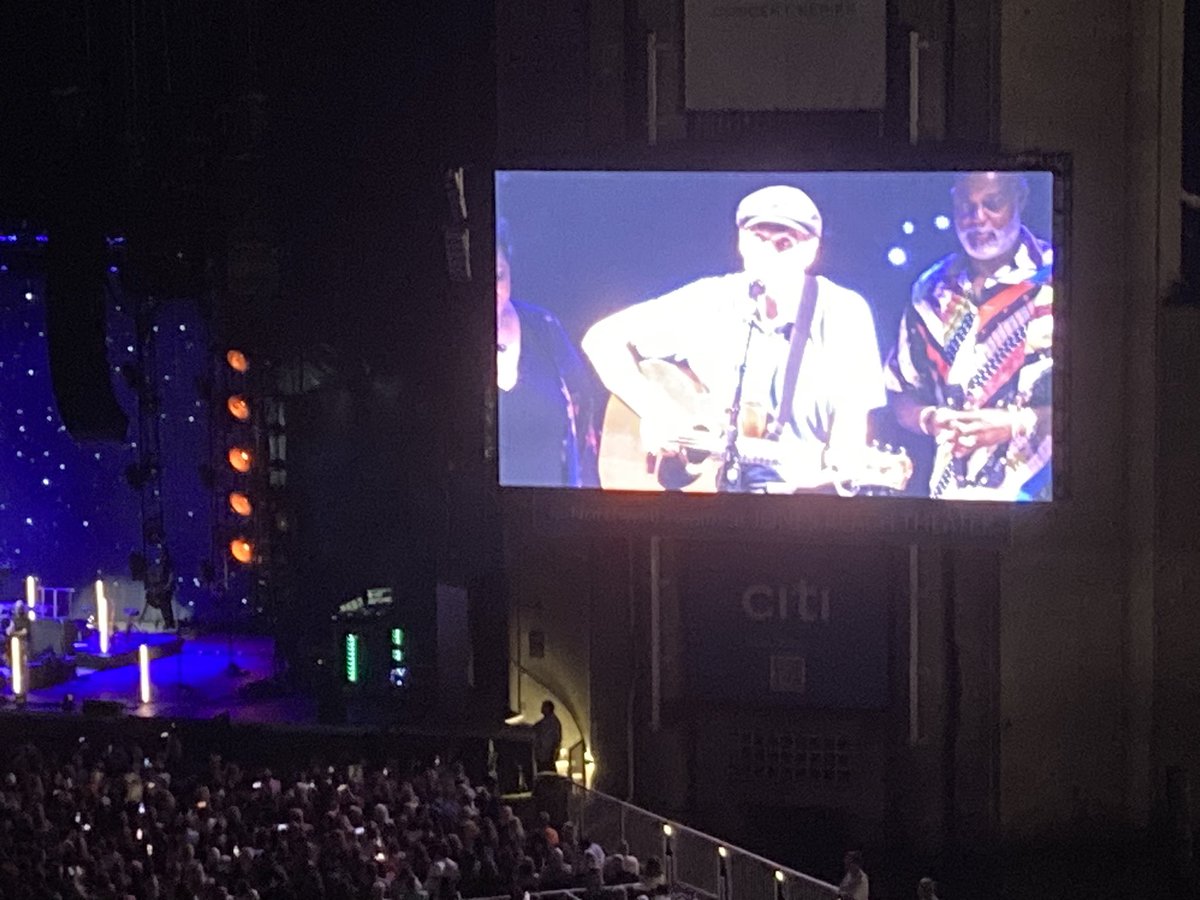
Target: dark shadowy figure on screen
x,y
546,396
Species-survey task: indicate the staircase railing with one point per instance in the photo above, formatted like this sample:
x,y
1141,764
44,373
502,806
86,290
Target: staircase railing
x,y
693,862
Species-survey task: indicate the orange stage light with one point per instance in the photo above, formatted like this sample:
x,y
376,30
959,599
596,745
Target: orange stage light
x,y
238,407
241,550
240,458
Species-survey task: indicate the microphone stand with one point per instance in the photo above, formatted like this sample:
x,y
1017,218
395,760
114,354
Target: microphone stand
x,y
729,476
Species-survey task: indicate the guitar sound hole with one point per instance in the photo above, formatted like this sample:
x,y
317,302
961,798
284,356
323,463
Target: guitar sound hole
x,y
696,455
674,474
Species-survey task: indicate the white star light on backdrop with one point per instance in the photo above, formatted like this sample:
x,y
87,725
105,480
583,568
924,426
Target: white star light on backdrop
x,y
55,492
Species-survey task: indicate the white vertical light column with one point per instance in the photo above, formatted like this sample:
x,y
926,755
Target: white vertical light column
x,y
144,673
18,669
31,591
102,622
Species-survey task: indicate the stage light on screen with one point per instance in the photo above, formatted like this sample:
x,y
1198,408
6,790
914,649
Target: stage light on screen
x,y
688,266
240,503
240,459
237,361
242,550
238,407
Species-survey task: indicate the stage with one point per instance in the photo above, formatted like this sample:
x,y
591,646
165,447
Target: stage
x,y
244,711
191,677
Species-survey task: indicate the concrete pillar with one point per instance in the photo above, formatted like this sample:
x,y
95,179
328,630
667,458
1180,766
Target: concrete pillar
x,y
1155,160
974,89
606,49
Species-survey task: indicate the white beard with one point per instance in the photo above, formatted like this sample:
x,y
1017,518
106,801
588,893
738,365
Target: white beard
x,y
987,244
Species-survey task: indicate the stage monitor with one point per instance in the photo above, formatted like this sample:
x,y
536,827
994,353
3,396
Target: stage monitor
x,y
862,333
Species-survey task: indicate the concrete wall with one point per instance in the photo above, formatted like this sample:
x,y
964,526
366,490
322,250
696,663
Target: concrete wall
x,y
548,583
1177,596
1100,80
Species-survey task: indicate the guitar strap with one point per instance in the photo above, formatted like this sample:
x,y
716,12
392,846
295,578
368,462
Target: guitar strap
x,y
800,334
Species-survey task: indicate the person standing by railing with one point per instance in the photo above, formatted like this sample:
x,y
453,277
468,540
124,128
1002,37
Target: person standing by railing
x,y
547,738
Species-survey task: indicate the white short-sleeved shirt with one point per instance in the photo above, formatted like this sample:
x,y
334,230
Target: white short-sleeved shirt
x,y
706,324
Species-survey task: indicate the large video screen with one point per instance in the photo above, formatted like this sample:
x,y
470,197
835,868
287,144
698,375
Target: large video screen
x,y
787,333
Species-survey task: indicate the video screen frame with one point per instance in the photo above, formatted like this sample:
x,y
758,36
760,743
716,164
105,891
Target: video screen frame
x,y
1056,167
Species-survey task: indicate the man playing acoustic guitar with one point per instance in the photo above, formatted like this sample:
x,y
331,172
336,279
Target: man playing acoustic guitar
x,y
791,352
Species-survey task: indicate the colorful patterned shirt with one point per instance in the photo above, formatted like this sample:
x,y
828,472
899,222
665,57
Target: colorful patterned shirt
x,y
964,351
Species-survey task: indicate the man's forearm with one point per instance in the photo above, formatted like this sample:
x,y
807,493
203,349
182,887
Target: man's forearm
x,y
611,355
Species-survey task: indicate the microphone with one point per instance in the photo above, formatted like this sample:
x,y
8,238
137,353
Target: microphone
x,y
753,316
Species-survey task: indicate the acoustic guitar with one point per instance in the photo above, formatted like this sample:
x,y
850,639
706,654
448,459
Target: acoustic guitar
x,y
693,465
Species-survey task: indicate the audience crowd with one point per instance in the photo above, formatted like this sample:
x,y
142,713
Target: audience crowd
x,y
116,821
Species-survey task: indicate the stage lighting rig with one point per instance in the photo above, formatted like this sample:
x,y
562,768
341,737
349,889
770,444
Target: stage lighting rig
x,y
145,475
241,470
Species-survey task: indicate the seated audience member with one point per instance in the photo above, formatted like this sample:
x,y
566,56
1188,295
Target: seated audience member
x,y
653,876
616,867
854,884
548,831
630,862
108,820
556,874
592,856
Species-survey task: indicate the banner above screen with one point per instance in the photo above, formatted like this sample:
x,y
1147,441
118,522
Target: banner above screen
x,y
764,55
792,333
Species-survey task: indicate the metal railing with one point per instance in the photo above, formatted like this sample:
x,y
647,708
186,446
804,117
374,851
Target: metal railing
x,y
693,861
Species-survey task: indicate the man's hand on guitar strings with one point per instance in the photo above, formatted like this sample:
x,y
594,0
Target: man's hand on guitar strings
x,y
671,431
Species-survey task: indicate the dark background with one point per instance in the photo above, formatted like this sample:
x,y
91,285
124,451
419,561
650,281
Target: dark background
x,y
276,172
